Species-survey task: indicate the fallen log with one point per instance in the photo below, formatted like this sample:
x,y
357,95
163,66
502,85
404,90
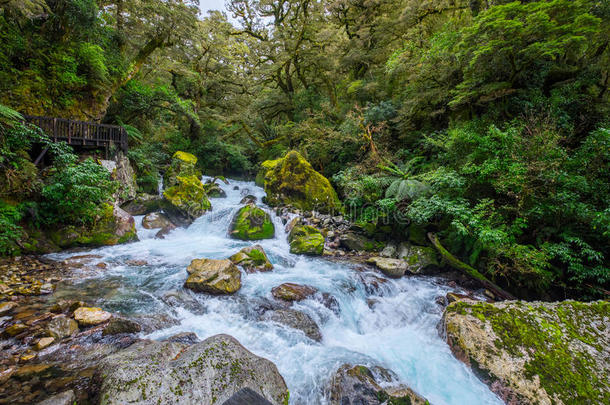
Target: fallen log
x,y
470,271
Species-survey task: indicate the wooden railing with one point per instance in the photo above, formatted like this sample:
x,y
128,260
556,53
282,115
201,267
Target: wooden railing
x,y
80,132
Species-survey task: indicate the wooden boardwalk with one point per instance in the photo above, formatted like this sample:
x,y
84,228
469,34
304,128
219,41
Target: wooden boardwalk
x,y
81,133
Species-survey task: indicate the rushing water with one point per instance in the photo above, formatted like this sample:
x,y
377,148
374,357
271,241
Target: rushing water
x,y
393,326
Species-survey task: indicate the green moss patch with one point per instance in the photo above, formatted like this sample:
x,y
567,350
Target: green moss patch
x,y
252,223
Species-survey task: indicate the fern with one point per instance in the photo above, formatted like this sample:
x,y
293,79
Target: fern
x,y
402,189
8,116
133,132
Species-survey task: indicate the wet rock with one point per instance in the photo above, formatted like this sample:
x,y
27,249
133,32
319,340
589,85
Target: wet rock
x,y
293,292
136,263
187,338
65,398
165,231
155,220
252,259
7,307
183,299
208,372
394,268
214,190
305,239
249,199
37,370
213,276
185,201
90,316
389,251
61,327
246,396
121,325
356,385
292,181
453,297
45,342
15,329
296,320
143,204
251,223
535,352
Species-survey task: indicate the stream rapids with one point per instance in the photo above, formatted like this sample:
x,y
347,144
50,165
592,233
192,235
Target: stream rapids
x,y
393,325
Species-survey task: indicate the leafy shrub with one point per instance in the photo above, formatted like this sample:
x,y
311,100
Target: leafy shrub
x,y
10,231
74,194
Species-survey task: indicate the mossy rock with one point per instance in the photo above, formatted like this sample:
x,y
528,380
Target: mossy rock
x,y
307,240
292,181
113,226
252,223
186,201
183,164
535,352
252,259
213,276
265,167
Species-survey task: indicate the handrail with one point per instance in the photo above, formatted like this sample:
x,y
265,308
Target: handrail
x,y
83,133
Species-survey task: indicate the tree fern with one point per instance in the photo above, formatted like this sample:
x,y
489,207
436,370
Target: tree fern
x,y
133,133
403,185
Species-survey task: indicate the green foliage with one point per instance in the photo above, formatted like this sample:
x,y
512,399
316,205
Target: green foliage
x,y
10,231
75,194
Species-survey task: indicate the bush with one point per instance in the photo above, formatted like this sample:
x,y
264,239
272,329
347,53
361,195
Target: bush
x,y
74,194
10,231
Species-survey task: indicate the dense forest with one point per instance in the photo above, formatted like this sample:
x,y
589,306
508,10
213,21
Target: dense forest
x,y
486,123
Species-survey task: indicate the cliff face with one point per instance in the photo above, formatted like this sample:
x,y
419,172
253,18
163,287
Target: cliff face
x,y
535,353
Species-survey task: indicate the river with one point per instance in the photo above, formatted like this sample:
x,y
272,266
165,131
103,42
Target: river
x,y
394,326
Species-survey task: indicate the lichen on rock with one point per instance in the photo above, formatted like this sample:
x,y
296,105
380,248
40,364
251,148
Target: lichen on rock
x,y
182,164
213,276
542,353
252,259
292,181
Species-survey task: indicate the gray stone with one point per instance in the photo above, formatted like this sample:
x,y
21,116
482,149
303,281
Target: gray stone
x,y
61,327
212,371
296,320
65,398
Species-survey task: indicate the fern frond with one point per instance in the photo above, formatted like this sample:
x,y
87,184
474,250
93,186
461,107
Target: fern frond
x,y
8,116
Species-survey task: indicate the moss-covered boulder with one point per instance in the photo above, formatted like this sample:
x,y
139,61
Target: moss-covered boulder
x,y
143,204
265,167
251,223
292,181
213,276
307,240
252,259
185,201
293,292
420,259
214,190
183,164
535,352
112,226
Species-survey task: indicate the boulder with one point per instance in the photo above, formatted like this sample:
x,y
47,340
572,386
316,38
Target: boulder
x,y
182,164
356,242
209,372
213,276
252,259
112,226
117,326
265,167
535,352
187,338
90,316
305,239
293,292
121,171
214,190
143,204
249,199
44,342
186,200
356,385
155,220
251,223
65,398
163,232
394,268
420,259
61,327
296,320
292,181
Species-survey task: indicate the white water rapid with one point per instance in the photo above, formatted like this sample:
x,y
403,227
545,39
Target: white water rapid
x,y
394,326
